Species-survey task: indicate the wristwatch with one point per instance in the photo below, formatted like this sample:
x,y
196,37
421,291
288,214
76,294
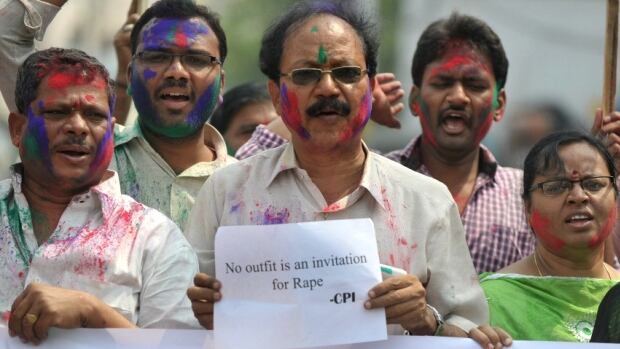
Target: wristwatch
x,y
438,319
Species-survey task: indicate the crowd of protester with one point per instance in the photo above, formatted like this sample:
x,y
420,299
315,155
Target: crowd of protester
x,y
111,223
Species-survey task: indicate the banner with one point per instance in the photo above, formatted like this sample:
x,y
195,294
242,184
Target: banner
x,y
202,339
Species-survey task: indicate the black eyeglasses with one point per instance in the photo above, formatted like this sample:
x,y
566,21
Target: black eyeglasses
x,y
560,186
191,61
307,76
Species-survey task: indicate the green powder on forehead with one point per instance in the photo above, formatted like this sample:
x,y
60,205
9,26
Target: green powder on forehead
x,y
322,56
314,29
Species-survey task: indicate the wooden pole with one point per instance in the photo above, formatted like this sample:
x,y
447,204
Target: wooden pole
x,y
611,54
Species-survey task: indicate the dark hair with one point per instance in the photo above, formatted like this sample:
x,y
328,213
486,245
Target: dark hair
x,y
42,63
236,99
273,40
181,9
544,156
436,37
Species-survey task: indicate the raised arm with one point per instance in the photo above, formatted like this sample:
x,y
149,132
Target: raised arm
x,y
21,24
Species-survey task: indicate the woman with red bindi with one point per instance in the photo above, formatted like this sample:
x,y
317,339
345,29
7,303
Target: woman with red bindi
x,y
570,201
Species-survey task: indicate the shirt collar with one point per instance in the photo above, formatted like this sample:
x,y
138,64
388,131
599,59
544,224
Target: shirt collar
x,y
212,138
108,190
412,158
371,178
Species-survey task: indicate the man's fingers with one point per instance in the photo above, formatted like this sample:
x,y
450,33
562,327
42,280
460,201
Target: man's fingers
x,y
205,321
20,308
481,338
28,322
598,122
203,294
391,87
393,283
385,77
395,297
42,325
204,280
133,8
395,109
202,308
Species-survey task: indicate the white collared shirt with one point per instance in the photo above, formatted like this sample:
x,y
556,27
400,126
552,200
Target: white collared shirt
x,y
130,256
417,223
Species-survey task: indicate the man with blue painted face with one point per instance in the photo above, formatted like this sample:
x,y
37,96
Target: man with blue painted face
x,y
175,78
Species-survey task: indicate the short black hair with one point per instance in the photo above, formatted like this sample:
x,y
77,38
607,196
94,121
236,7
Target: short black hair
x,y
42,63
236,99
180,9
544,157
473,31
350,11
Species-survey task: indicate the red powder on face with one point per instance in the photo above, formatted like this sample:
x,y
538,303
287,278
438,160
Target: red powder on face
x,y
542,227
484,128
453,62
427,133
180,39
290,112
64,79
90,98
605,229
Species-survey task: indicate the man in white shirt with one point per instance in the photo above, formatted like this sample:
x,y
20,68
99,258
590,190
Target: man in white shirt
x,y
74,252
320,58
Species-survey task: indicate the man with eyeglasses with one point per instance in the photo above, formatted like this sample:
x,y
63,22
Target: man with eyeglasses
x,y
321,59
175,80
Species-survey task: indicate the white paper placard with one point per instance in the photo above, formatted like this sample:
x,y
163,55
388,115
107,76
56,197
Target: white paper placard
x,y
297,285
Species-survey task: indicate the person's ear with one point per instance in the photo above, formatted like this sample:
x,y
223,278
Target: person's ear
x,y
17,127
500,104
414,106
274,92
222,82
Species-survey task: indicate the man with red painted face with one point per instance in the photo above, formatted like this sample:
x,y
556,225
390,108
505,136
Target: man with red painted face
x,y
74,251
175,80
320,58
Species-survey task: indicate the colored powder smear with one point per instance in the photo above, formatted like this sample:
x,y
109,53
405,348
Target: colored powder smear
x,y
105,149
97,247
421,109
314,29
75,77
542,227
606,229
359,121
487,116
272,216
36,142
149,74
166,32
332,208
194,120
322,55
290,112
